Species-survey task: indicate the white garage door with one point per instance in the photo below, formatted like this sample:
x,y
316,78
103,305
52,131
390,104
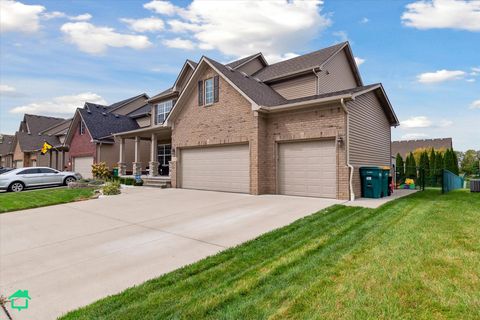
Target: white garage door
x,y
307,169
83,165
223,168
18,164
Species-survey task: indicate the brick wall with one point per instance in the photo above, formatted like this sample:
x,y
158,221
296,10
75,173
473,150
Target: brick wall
x,y
81,146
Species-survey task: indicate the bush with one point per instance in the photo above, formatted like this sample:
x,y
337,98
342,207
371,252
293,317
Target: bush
x,y
138,184
100,171
111,188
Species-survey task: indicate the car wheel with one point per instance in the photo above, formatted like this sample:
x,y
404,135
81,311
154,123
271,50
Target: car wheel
x,y
17,187
69,179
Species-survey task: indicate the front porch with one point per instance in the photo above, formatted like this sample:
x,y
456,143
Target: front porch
x,y
160,138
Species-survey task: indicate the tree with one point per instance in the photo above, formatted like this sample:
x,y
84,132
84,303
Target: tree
x,y
438,166
411,167
400,167
455,167
432,163
451,163
424,170
469,164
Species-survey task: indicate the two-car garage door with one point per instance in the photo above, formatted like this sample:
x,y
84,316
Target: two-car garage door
x,y
307,168
225,168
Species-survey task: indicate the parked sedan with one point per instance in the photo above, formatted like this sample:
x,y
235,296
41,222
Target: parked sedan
x,y
4,169
17,180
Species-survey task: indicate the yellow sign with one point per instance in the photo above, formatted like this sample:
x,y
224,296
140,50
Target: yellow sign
x,y
46,147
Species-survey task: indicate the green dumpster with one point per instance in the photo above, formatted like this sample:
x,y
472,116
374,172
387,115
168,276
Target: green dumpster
x,y
371,181
385,174
115,172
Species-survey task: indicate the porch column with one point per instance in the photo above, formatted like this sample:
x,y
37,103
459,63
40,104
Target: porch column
x,y
153,164
137,165
122,167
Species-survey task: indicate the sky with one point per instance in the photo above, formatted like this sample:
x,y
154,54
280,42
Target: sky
x,y
55,55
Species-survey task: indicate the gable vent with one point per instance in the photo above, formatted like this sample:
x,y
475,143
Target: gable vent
x,y
229,68
116,116
104,114
244,74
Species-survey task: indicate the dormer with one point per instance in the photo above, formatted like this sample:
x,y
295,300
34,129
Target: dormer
x,y
249,65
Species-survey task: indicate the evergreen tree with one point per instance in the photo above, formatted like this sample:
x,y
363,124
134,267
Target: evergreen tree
x,y
449,161
432,163
400,168
424,170
455,167
411,170
438,166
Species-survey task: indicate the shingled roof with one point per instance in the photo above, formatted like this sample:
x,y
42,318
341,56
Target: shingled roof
x,y
36,124
6,144
241,61
34,142
303,62
118,104
142,111
259,92
102,125
406,146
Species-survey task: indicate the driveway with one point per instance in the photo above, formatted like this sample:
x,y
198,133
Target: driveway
x,y
70,255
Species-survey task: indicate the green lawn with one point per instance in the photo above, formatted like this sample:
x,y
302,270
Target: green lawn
x,y
414,258
39,198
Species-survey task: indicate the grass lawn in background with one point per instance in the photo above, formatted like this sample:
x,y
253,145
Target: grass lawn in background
x,y
11,201
417,257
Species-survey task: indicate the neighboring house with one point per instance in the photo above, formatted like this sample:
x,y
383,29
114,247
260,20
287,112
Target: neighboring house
x,y
300,127
30,138
6,150
90,135
406,146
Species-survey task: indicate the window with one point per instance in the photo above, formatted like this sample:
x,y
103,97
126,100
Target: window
x,y
82,128
29,171
209,91
47,170
164,154
163,109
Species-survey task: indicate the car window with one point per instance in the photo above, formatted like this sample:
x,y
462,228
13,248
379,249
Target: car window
x,y
47,170
29,171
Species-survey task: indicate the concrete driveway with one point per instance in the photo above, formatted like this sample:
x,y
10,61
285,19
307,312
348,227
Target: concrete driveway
x,y
70,255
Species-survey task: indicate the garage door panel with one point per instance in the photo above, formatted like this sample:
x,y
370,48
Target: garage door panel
x,y
224,168
83,165
308,168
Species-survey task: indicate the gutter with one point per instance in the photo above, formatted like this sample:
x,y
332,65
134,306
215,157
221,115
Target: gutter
x,y
306,103
350,180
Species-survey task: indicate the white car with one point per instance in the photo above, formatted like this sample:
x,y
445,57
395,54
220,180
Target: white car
x,y
17,180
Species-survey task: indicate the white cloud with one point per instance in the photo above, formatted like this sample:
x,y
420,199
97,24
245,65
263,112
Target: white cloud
x,y
6,88
434,14
414,136
64,105
58,14
359,61
145,25
81,17
342,35
364,20
179,43
440,76
445,123
475,69
162,7
416,122
470,80
475,104
96,40
19,17
242,28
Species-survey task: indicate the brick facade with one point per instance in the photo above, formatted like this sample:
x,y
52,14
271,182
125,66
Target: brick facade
x,y
81,146
232,120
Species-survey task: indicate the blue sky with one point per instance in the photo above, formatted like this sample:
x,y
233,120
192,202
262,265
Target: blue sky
x,y
56,54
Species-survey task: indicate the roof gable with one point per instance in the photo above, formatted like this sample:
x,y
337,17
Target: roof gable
x,y
117,105
6,144
243,61
36,124
102,124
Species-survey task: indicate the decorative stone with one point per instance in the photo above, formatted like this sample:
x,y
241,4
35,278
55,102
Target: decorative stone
x,y
153,169
137,168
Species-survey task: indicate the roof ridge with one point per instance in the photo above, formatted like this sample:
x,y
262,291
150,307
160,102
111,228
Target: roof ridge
x,y
48,117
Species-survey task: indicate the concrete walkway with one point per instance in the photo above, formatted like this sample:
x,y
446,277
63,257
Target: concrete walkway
x,y
70,255
375,203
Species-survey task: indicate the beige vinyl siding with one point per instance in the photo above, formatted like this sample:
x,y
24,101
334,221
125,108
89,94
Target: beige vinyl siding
x,y
132,106
340,75
251,67
144,121
184,79
370,135
303,86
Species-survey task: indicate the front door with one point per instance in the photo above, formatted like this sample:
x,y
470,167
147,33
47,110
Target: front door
x,y
164,157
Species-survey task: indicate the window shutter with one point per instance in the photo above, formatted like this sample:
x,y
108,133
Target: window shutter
x,y
215,89
200,93
154,113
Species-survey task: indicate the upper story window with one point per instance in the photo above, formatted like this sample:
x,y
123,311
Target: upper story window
x,y
163,109
209,91
82,128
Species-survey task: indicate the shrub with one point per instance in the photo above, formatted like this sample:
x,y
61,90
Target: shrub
x,y
100,170
111,188
138,184
129,181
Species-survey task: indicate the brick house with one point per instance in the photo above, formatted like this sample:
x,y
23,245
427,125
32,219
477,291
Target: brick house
x,y
6,150
300,127
90,134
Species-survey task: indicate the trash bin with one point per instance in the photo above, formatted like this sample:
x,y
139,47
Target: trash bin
x,y
385,175
371,181
115,172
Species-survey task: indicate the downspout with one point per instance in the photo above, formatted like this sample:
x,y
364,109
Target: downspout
x,y
352,194
317,89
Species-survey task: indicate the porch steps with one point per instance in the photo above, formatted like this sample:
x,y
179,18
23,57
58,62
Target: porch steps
x,y
155,182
